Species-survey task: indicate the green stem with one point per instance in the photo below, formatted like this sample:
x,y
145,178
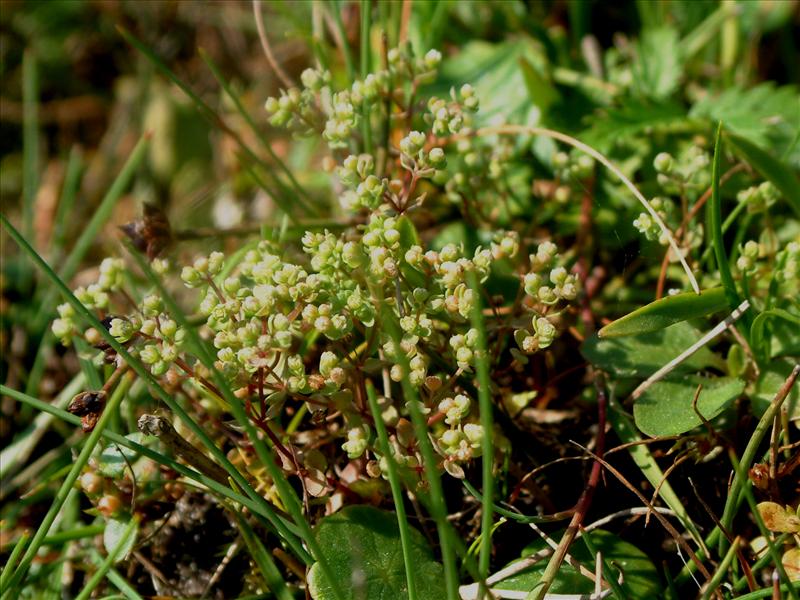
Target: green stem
x,y
30,139
366,125
397,491
98,576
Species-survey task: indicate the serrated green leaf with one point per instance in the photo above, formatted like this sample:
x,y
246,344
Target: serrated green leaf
x,y
363,546
771,168
640,580
665,312
666,407
640,356
114,534
658,67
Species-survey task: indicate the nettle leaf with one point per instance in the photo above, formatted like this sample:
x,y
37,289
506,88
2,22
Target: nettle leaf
x,y
666,407
362,545
639,356
665,312
113,535
114,459
641,579
659,63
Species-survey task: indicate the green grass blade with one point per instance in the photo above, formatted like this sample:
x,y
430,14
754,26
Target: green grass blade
x,y
116,579
366,59
11,562
30,139
715,230
263,559
304,198
437,501
336,11
487,423
162,459
66,486
89,233
137,366
397,490
100,574
286,493
285,203
66,202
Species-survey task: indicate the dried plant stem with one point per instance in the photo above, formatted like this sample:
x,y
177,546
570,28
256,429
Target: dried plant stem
x,y
262,36
575,143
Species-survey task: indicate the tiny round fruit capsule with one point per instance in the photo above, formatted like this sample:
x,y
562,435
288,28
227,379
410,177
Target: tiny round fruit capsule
x,y
91,483
108,505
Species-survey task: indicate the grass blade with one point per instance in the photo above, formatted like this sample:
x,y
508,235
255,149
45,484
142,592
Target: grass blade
x,y
30,139
437,500
263,559
98,576
115,578
69,193
366,126
397,490
265,508
66,486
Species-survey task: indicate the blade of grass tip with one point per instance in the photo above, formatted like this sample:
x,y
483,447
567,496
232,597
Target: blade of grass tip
x,y
149,453
722,568
263,559
99,218
201,105
485,407
437,500
67,485
772,548
397,491
30,139
286,492
66,202
264,507
341,38
116,579
714,215
11,563
366,126
101,571
253,127
749,454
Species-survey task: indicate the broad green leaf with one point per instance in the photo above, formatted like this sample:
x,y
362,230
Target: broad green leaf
x,y
665,312
640,356
114,533
770,167
362,544
759,324
666,407
641,578
658,67
541,90
114,459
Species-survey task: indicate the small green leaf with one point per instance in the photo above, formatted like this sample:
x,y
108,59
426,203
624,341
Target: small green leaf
x,y
640,580
658,67
666,407
114,459
363,547
541,90
769,382
113,535
759,323
665,312
642,355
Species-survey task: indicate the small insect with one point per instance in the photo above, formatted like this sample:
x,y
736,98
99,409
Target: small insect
x,y
152,233
88,406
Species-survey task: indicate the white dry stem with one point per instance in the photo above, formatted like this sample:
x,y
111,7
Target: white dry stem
x,y
575,143
667,368
262,35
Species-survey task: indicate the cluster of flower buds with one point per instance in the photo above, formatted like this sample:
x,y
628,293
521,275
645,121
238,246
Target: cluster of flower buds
x,y
688,174
364,189
572,167
759,198
646,224
454,117
748,257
